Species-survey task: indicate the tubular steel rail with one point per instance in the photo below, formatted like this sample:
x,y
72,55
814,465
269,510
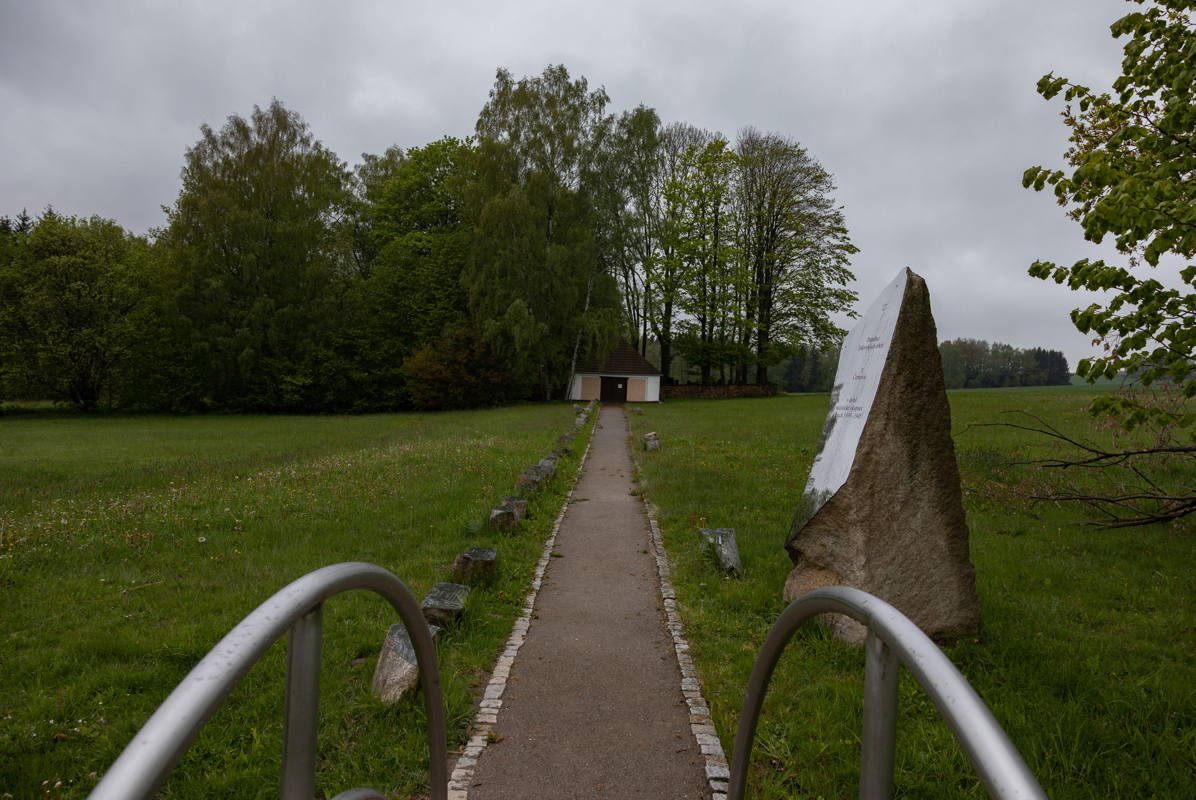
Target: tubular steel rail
x,y
892,641
297,609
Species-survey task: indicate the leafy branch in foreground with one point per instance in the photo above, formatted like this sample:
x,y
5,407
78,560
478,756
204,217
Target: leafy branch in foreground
x,y
1132,158
1138,483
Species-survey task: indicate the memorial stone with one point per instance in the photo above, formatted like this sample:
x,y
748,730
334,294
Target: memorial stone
x,y
882,509
528,481
475,565
517,503
397,669
445,603
504,517
721,542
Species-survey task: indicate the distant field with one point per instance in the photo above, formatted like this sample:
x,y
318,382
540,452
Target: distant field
x,y
130,544
1088,650
1099,384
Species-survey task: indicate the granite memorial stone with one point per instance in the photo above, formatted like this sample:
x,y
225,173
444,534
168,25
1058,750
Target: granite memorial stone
x,y
474,566
882,509
528,481
721,543
397,669
517,503
504,517
445,603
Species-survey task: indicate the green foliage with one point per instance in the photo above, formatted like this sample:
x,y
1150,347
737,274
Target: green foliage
x,y
974,364
537,282
370,178
808,369
661,212
628,170
455,371
412,293
795,247
747,256
1131,160
70,291
701,239
260,256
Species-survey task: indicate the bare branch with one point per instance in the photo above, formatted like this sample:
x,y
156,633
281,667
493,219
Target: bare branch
x,y
1125,505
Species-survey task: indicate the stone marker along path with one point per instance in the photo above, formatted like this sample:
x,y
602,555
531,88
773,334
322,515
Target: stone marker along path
x,y
593,703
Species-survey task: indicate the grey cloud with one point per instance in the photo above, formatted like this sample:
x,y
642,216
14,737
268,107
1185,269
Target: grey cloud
x,y
925,112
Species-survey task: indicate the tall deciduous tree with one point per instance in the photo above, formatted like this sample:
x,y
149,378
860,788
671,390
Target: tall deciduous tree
x,y
260,251
413,296
69,289
369,180
795,245
537,283
713,291
422,237
627,171
1131,168
664,265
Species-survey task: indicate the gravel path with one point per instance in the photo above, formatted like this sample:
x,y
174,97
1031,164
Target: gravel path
x,y
592,704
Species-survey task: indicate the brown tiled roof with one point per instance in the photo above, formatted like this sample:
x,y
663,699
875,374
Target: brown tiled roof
x,y
623,360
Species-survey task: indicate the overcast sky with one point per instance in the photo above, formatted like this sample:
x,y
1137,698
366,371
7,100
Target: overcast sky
x,y
924,111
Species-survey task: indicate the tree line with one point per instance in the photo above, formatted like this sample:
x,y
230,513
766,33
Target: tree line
x,y
463,272
976,364
967,364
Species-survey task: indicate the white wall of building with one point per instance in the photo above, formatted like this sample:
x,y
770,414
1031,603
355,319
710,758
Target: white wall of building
x,y
651,386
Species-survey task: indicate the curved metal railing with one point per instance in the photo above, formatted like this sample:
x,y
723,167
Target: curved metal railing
x,y
892,641
297,608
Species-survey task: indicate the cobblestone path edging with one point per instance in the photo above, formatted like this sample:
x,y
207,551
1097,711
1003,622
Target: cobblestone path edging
x,y
487,716
700,723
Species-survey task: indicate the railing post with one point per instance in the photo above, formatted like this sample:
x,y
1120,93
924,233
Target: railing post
x,y
879,737
302,706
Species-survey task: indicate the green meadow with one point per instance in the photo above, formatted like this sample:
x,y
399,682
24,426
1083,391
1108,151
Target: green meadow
x,y
1087,655
130,544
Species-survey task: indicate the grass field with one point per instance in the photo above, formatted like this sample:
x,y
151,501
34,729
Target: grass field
x,y
1087,655
130,544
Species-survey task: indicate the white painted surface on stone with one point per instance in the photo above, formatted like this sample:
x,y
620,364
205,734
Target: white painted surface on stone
x,y
861,362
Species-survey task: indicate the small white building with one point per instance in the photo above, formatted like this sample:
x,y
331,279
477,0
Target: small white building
x,y
624,377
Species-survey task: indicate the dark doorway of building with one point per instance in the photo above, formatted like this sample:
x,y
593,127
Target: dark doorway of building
x,y
614,390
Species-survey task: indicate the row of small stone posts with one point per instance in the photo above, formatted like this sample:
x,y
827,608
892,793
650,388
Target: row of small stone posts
x,y
444,605
719,542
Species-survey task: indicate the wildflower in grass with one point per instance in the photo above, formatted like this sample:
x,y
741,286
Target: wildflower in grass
x,y
202,539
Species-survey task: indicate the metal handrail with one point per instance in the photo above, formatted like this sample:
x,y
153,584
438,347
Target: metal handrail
x,y
892,641
297,608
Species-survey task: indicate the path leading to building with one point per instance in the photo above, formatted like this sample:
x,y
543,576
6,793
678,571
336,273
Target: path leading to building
x,y
593,705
